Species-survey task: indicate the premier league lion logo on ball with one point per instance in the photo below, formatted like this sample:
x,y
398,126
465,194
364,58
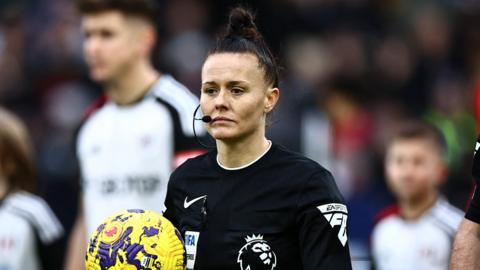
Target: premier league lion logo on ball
x,y
135,239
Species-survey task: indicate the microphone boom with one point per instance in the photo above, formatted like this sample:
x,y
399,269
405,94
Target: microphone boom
x,y
205,119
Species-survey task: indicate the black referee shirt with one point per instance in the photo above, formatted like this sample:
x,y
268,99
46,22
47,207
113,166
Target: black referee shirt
x,y
282,212
473,210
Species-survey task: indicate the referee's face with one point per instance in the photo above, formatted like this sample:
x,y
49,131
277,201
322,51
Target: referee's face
x,y
236,96
113,44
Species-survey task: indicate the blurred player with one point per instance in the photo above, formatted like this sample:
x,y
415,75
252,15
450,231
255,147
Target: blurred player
x,y
132,139
466,248
418,233
31,237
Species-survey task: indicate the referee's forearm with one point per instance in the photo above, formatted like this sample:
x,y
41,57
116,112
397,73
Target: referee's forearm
x,y
466,248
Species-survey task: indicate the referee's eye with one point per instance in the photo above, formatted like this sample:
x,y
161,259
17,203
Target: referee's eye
x,y
237,91
210,91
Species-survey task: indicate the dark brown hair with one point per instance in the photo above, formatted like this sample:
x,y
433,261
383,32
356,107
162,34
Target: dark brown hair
x,y
144,9
242,36
16,157
419,129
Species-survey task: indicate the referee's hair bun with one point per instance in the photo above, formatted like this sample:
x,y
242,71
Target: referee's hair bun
x,y
242,36
241,24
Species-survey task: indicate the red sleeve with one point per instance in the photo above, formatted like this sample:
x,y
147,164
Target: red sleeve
x,y
97,104
477,106
387,212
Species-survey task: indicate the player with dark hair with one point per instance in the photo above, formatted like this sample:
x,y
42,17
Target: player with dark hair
x,y
31,237
416,233
250,203
140,130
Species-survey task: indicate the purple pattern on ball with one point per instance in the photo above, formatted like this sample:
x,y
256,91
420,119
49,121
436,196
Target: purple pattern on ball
x,y
104,250
149,232
135,211
101,227
132,252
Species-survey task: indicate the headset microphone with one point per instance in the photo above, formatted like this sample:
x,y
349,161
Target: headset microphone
x,y
205,119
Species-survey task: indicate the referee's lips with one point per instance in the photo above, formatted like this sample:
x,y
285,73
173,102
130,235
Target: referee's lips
x,y
221,119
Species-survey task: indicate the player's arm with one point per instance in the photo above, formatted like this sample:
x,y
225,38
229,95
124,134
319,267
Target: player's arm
x,y
51,254
185,144
170,211
49,235
466,248
322,225
77,240
77,244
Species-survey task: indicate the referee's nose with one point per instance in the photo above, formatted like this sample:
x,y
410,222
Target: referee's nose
x,y
220,100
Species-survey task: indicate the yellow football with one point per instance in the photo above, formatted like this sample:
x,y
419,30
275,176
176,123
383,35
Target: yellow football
x,y
135,239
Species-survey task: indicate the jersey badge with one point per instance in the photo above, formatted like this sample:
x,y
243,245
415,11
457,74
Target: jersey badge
x,y
336,214
256,254
191,242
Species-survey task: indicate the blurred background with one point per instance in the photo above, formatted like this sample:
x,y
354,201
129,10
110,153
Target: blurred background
x,y
351,71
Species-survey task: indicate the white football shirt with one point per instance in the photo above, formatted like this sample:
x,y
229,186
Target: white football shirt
x,y
26,224
424,243
126,153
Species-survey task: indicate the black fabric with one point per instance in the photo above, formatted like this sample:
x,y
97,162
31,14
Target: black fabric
x,y
473,211
476,162
51,255
182,141
277,198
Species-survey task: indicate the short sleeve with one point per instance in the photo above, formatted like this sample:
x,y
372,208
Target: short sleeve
x,y
322,224
186,144
473,211
49,232
52,254
170,210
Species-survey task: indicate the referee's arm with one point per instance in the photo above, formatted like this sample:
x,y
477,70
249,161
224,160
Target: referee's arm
x,y
321,222
466,248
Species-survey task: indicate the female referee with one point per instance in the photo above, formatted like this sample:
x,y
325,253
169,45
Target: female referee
x,y
252,204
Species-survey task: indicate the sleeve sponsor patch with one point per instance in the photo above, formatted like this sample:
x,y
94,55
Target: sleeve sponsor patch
x,y
191,243
336,214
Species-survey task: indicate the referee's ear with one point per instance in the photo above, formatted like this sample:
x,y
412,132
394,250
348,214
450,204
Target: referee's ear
x,y
271,98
